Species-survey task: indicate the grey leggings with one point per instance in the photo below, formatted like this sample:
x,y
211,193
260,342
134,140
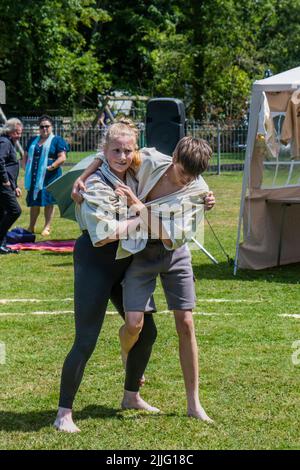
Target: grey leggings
x,y
97,279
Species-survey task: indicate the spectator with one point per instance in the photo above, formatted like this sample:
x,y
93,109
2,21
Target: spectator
x,y
10,209
43,159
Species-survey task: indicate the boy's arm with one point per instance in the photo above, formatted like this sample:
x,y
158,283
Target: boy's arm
x,y
79,185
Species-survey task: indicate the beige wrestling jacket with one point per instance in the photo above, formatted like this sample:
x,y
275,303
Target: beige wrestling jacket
x,y
180,212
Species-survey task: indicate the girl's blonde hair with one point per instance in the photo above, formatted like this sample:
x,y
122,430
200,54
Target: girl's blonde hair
x,y
124,127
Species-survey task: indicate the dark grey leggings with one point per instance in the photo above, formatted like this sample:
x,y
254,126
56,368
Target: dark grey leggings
x,y
97,279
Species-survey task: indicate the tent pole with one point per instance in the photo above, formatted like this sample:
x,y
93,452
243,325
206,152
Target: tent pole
x,y
253,119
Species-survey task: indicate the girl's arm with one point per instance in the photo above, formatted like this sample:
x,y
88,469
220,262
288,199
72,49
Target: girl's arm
x,y
126,227
152,223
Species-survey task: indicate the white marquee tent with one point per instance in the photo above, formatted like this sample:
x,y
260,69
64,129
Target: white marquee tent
x,y
270,200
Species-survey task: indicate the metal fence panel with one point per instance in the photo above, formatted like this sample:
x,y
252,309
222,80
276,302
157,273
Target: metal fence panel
x,y
228,142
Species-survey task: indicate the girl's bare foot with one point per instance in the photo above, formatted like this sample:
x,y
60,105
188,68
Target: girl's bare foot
x,y
64,421
133,401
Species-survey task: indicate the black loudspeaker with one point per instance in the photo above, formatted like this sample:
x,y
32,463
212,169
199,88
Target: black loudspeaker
x,y
165,123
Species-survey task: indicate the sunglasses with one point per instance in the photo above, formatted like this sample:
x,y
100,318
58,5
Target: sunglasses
x,y
45,127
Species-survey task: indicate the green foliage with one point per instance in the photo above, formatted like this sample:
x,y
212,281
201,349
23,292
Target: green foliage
x,y
51,59
62,53
281,37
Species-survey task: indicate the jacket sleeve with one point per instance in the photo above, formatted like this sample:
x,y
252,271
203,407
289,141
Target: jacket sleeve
x,y
101,211
4,149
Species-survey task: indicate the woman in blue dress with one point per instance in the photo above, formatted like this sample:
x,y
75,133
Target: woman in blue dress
x,y
44,156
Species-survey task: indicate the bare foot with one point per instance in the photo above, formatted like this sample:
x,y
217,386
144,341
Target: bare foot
x,y
30,229
46,232
199,413
133,401
64,421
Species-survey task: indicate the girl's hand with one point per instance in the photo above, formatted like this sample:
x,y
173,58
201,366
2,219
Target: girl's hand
x,y
78,186
125,191
132,200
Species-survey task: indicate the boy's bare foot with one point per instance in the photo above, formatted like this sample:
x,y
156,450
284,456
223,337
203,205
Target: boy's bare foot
x,y
199,413
64,421
133,401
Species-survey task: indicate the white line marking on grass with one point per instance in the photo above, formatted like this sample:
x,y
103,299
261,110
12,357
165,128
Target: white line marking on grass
x,y
250,301
290,315
46,312
62,312
205,314
22,314
7,301
54,312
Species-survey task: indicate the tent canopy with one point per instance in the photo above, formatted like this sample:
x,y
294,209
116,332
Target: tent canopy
x,y
290,79
271,226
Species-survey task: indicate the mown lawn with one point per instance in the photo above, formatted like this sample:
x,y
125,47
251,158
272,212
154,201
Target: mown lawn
x,y
249,384
237,157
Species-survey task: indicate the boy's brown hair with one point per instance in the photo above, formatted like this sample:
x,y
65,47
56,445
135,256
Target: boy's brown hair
x,y
193,154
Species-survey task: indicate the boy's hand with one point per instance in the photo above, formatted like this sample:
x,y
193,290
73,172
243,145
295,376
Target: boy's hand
x,y
18,192
209,201
78,186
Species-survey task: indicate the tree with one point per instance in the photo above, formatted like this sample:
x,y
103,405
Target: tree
x,y
57,53
47,58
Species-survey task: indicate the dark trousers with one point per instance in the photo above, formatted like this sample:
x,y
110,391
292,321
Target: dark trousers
x,y
10,210
97,279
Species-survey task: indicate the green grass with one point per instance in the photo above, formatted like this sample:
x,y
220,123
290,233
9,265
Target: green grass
x,y
226,157
75,157
248,382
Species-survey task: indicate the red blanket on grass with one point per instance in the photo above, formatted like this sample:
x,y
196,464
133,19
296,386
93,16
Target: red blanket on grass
x,y
51,245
